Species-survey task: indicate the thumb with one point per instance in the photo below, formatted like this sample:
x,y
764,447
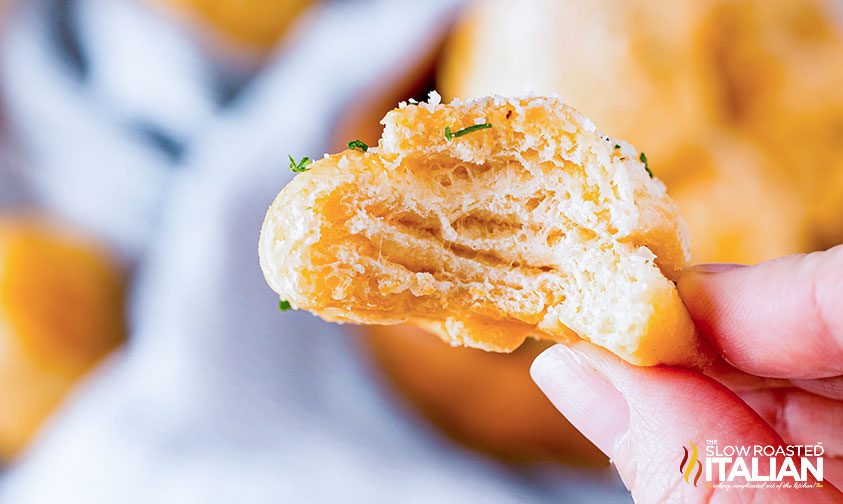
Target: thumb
x,y
642,418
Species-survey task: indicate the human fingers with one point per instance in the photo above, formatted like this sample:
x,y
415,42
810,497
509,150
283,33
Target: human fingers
x,y
643,417
801,417
780,319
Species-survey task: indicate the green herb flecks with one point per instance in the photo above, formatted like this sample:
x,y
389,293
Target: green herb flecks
x,y
301,166
643,158
465,131
284,305
359,145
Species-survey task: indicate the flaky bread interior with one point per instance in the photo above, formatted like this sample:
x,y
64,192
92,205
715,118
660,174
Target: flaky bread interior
x,y
537,226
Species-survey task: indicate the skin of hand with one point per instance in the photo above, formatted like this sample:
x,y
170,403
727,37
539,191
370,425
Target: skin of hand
x,y
779,329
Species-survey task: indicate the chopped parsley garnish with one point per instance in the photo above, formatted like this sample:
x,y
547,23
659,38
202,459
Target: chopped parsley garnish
x,y
301,166
359,145
465,131
617,146
284,305
643,158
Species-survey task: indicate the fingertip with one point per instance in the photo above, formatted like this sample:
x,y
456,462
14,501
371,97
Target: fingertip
x,y
773,318
585,397
697,284
622,408
542,364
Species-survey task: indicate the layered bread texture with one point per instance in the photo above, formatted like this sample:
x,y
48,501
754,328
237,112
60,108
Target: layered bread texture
x,y
535,226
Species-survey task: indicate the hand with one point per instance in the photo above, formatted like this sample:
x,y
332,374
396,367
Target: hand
x,y
781,322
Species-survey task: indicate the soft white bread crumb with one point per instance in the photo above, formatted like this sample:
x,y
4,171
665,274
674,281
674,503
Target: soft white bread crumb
x,y
538,226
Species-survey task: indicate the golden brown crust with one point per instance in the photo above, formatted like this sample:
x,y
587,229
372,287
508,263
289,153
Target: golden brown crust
x,y
538,226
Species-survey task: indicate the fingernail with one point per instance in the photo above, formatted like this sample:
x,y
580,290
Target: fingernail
x,y
712,268
592,404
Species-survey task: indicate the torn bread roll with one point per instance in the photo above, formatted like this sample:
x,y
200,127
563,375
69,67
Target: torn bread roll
x,y
521,219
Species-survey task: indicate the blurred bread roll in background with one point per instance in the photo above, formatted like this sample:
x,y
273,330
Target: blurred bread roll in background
x,y
779,68
720,196
484,400
60,313
668,77
248,25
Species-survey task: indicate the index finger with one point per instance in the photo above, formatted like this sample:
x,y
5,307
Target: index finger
x,y
782,318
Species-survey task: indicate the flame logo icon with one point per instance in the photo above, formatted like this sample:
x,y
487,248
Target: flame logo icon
x,y
690,462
